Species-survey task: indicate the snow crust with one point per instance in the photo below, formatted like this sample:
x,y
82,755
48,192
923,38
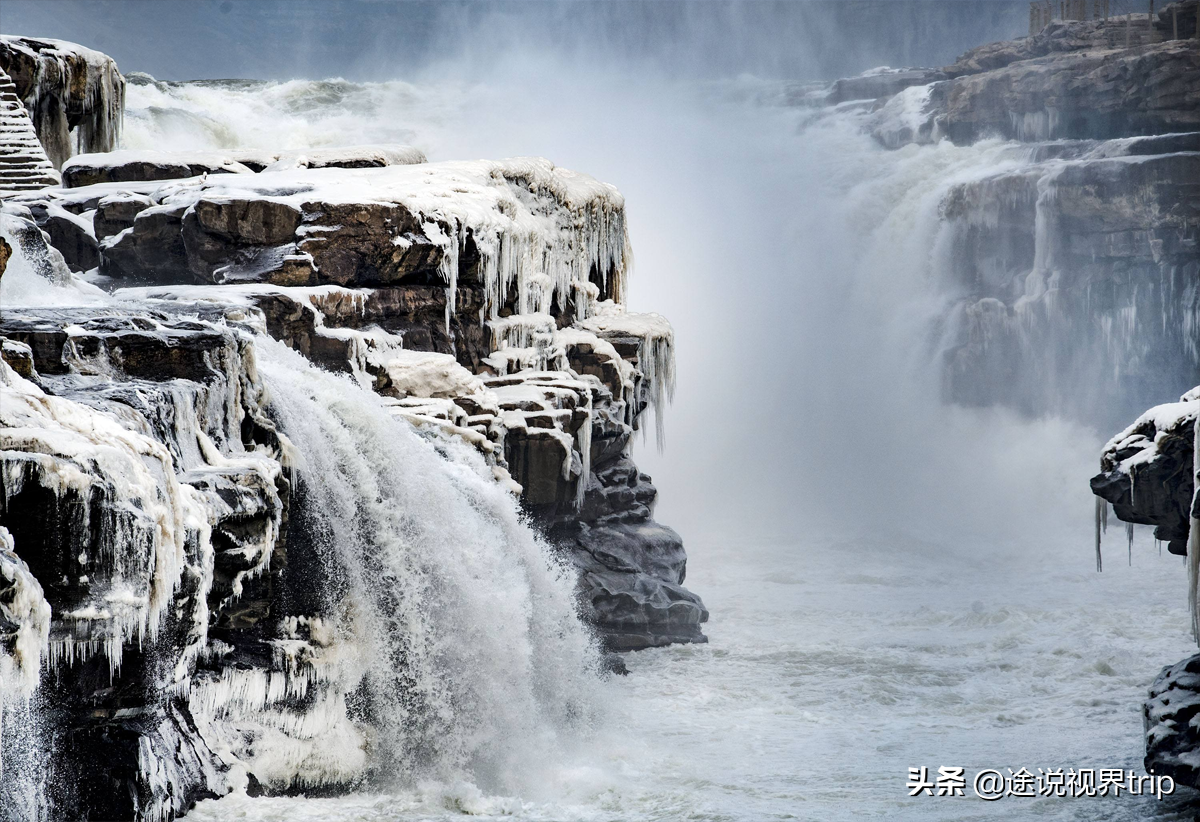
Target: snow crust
x,y
248,161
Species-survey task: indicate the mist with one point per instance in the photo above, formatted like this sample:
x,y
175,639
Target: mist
x,y
742,236
803,265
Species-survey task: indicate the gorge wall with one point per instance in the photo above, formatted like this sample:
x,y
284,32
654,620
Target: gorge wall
x,y
262,410
178,472
1068,266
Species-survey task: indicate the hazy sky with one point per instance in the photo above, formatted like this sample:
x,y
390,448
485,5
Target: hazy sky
x,y
380,39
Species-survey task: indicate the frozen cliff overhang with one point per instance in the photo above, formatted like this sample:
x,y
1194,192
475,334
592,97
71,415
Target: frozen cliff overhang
x,y
1149,476
74,95
1146,471
529,235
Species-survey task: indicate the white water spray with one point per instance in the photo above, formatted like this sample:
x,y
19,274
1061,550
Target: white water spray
x,y
476,665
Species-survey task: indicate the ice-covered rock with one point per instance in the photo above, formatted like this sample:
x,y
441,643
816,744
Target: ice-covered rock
x,y
881,82
1074,278
75,96
1169,720
554,236
1097,79
1149,474
138,166
24,165
30,260
142,486
1146,471
1097,94
200,633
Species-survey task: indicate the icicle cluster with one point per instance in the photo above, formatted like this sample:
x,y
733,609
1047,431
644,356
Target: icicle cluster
x,y
656,353
81,454
22,646
1193,543
556,228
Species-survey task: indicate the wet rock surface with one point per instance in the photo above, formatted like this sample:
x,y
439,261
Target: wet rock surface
x,y
1148,476
1101,94
1172,738
1077,274
154,531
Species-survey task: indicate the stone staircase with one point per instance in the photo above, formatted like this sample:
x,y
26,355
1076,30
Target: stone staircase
x,y
23,162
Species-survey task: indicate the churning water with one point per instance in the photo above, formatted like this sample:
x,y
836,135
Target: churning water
x,y
893,582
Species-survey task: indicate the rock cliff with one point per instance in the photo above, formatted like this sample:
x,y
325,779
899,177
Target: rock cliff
x,y
1070,269
163,594
74,95
1148,476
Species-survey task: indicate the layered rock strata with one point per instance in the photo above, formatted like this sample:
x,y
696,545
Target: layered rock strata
x,y
1072,269
153,532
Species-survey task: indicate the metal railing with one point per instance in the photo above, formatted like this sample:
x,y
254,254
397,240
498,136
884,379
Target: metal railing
x,y
1137,19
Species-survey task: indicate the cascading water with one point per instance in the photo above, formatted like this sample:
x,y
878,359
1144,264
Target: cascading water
x,y
896,580
474,664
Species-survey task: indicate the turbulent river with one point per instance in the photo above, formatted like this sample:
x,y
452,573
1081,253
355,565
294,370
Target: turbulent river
x,y
894,582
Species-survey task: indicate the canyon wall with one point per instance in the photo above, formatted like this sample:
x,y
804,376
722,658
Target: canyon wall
x,y
1069,266
176,597
1070,263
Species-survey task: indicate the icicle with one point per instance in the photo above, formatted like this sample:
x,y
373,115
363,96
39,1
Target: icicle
x,y
26,608
584,443
1101,525
1129,536
1193,543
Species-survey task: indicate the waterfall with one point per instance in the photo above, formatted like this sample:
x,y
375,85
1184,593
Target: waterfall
x,y
474,663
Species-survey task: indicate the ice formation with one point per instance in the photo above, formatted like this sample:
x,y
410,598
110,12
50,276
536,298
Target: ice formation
x,y
345,592
542,229
129,165
66,83
451,691
25,616
1193,544
656,352
84,457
